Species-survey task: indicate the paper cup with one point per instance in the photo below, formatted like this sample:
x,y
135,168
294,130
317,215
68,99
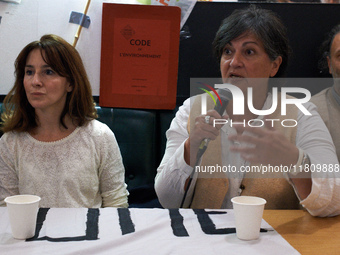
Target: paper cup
x,y
22,211
248,211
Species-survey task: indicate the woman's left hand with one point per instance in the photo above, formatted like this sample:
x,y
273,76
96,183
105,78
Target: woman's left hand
x,y
264,145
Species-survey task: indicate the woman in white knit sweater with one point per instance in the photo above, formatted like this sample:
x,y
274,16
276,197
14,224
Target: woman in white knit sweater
x,y
52,145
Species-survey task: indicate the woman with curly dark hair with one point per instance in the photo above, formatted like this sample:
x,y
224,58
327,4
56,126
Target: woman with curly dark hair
x,y
249,153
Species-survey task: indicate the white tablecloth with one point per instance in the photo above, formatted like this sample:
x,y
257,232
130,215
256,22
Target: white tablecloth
x,y
138,231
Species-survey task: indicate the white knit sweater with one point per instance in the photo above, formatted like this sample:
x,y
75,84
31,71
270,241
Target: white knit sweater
x,y
84,169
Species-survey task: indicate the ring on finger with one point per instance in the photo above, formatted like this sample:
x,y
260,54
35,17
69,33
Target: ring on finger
x,y
207,119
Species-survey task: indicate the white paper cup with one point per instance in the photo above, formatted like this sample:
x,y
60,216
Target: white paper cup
x,y
22,211
248,211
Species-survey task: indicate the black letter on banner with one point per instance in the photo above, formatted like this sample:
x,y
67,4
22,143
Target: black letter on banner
x,y
125,222
40,222
92,228
207,224
177,223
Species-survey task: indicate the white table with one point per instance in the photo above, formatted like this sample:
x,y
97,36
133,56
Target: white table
x,y
138,231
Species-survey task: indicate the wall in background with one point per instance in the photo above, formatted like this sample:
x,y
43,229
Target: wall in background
x,y
23,23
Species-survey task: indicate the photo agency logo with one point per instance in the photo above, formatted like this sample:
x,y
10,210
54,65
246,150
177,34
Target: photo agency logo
x,y
211,95
238,100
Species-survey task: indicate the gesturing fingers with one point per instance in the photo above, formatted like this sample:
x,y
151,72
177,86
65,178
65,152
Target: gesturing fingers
x,y
263,145
255,144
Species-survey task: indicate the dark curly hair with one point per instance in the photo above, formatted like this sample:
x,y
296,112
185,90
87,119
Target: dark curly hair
x,y
325,48
265,24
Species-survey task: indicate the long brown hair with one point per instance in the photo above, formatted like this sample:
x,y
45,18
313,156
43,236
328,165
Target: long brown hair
x,y
64,59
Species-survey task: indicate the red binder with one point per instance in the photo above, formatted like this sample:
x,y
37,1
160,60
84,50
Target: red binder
x,y
139,56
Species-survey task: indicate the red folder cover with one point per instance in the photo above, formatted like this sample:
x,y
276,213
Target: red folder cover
x,y
139,56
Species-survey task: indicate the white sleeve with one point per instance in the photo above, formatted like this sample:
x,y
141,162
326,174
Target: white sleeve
x,y
313,137
111,172
173,170
8,175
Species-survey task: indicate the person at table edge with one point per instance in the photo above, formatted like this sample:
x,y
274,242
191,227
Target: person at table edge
x,y
328,100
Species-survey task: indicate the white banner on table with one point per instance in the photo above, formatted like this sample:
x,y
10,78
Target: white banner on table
x,y
139,231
